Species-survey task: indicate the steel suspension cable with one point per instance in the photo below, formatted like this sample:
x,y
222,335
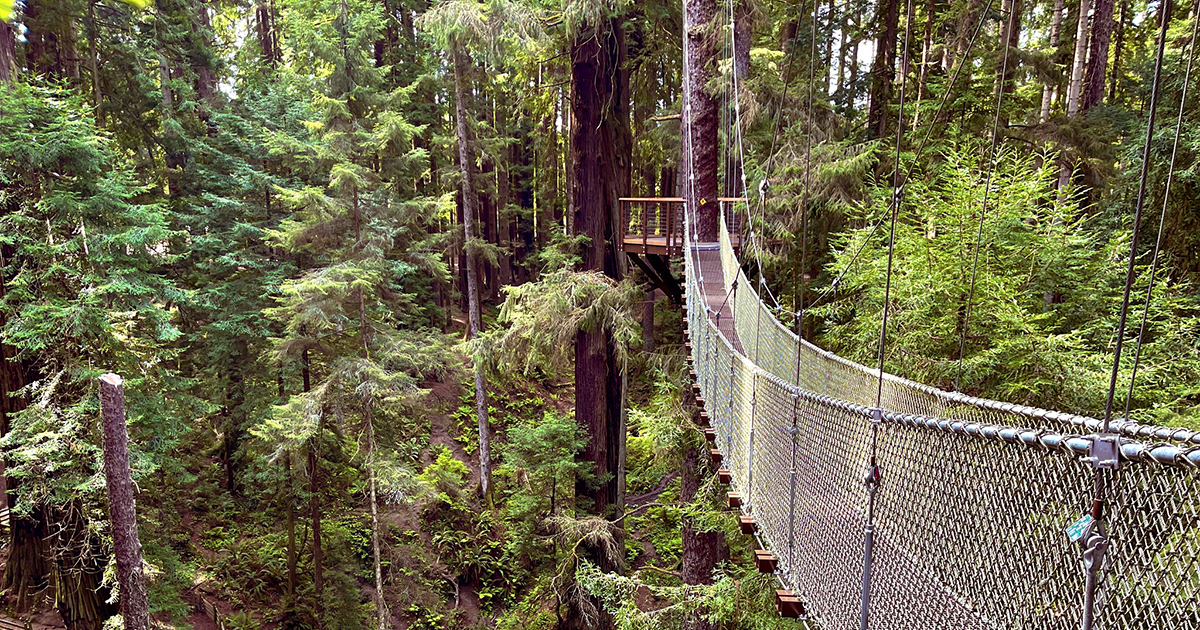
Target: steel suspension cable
x,y
987,188
1165,17
812,78
1096,543
873,473
1162,217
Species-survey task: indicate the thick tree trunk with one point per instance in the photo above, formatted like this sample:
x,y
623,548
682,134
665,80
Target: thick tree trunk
x,y
1115,77
702,119
264,22
1055,36
8,52
1097,65
474,314
80,596
884,69
702,550
135,608
28,567
601,152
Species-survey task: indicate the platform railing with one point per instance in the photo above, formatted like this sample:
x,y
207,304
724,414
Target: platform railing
x,y
653,225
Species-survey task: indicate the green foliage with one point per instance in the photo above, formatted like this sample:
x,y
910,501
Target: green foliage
x,y
446,476
738,597
1043,310
542,319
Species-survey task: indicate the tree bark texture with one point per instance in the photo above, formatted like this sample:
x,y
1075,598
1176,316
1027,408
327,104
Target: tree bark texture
x,y
883,71
28,567
601,146
135,608
1078,60
1097,65
8,52
474,314
701,550
702,119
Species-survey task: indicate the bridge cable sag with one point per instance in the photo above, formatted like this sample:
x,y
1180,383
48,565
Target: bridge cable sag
x,y
1095,541
987,188
873,477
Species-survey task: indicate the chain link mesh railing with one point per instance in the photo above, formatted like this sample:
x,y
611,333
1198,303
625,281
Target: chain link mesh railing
x,y
976,498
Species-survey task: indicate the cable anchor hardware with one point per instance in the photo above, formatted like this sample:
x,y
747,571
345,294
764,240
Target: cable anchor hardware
x,y
874,477
876,416
1095,543
1104,452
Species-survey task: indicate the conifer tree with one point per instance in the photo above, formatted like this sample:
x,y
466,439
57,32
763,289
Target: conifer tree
x,y
80,291
362,240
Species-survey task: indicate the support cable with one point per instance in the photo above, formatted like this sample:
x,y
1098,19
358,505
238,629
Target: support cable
x,y
1162,217
1164,16
873,476
1105,447
987,188
812,77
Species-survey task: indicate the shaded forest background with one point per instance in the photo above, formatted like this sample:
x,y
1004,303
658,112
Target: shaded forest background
x,y
282,220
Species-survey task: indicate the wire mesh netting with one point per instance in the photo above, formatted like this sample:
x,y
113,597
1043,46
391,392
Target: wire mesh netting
x,y
976,498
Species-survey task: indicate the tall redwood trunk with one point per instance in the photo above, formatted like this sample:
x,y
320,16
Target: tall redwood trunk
x,y
702,119
28,567
601,152
702,550
1097,65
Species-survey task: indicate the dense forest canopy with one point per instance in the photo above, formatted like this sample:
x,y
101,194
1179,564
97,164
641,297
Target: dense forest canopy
x,y
385,363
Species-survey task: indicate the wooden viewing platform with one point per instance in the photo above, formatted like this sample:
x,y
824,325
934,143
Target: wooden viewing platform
x,y
654,225
654,234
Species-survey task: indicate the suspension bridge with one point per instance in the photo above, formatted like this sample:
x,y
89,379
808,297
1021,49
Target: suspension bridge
x,y
884,503
975,498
